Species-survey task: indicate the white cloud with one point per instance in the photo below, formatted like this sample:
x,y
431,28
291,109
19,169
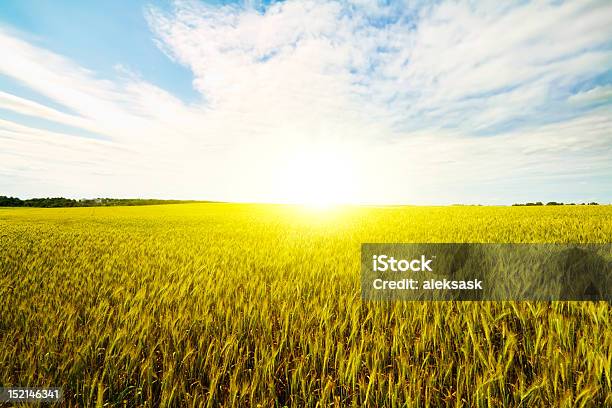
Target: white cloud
x,y
37,110
597,94
409,92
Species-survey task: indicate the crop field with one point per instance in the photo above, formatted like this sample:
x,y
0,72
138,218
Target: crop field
x,y
260,305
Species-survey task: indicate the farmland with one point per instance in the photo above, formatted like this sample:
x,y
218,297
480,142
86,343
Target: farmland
x,y
246,305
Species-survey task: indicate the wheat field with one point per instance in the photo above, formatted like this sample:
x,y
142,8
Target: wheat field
x,y
259,305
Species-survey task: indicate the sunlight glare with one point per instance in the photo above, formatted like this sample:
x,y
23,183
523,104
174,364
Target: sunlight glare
x,y
318,178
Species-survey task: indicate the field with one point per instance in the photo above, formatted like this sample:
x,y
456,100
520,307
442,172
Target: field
x,y
248,305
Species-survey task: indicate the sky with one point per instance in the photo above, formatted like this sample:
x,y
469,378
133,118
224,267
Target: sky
x,y
391,102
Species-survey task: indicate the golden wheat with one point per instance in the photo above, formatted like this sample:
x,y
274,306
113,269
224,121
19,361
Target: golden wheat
x,y
248,305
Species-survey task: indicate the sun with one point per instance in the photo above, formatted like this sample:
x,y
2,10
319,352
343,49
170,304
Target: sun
x,y
318,177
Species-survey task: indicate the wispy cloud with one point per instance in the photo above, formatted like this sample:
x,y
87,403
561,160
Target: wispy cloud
x,y
424,98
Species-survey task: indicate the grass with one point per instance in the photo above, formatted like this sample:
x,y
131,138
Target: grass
x,y
259,305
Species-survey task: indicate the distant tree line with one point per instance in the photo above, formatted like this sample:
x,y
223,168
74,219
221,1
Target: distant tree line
x,y
52,202
552,203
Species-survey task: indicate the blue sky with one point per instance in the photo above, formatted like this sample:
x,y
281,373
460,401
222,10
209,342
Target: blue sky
x,y
100,35
427,102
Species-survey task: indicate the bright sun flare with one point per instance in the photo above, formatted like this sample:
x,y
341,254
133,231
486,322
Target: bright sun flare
x,y
318,178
